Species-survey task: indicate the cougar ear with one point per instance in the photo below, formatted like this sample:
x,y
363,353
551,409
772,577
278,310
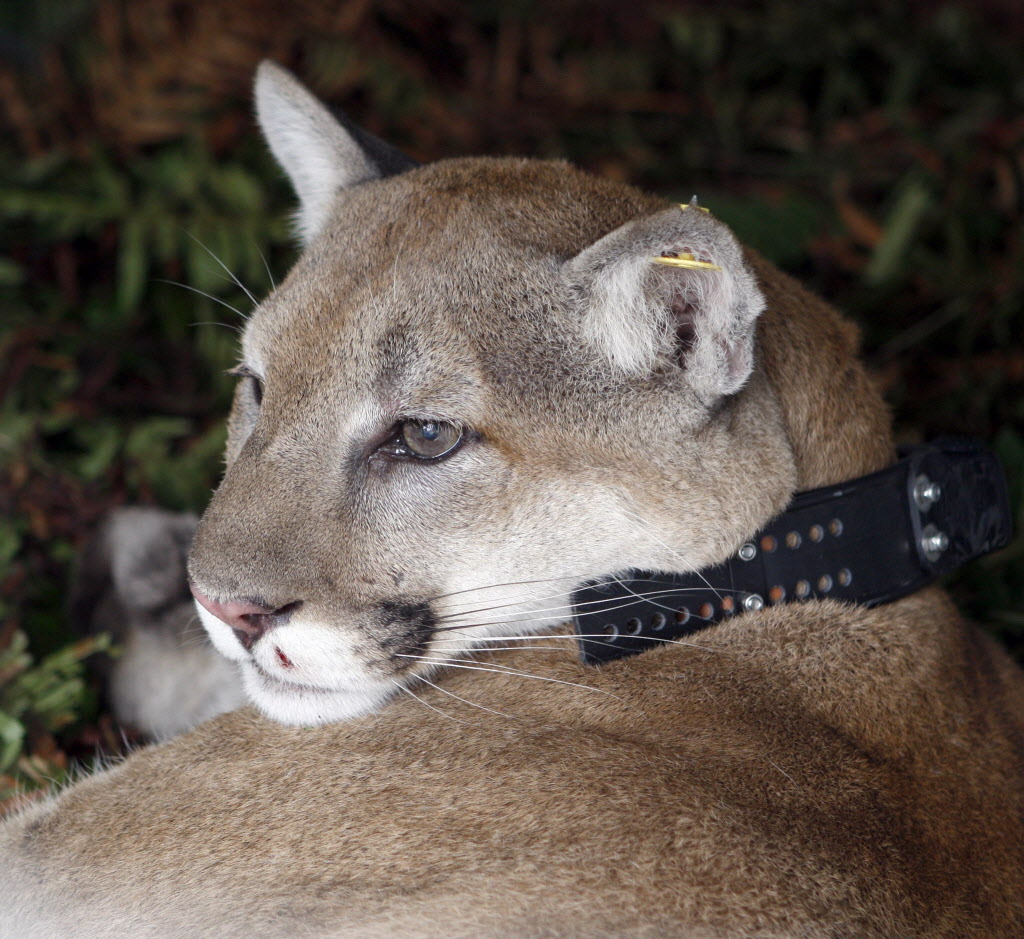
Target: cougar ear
x,y
671,287
320,153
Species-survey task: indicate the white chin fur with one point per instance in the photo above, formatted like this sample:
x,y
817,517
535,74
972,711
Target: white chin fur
x,y
304,706
221,635
327,683
326,680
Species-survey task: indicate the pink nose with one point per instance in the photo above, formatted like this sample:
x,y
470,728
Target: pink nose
x,y
248,620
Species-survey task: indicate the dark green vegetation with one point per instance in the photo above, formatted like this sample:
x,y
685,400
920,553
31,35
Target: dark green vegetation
x,y
876,152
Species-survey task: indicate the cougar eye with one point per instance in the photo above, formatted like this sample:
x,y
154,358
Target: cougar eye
x,y
428,440
254,382
256,389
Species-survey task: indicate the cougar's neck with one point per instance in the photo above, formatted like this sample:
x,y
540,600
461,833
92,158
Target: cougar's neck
x,y
838,425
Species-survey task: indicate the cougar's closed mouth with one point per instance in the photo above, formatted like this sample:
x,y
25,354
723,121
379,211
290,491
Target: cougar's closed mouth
x,y
286,683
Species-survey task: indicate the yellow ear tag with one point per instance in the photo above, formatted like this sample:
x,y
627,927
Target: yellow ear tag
x,y
693,204
684,259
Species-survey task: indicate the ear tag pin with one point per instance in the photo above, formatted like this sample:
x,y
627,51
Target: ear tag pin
x,y
684,258
693,204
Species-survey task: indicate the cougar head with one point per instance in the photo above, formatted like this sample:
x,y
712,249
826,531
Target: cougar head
x,y
476,389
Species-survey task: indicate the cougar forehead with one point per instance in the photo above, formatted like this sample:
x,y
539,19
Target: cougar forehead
x,y
440,273
456,292
441,291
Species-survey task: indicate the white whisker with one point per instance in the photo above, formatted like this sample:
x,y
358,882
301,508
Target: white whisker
x,y
427,704
659,590
523,601
237,329
569,610
227,270
574,579
496,669
646,597
512,648
644,529
518,602
273,285
203,293
452,694
592,636
511,583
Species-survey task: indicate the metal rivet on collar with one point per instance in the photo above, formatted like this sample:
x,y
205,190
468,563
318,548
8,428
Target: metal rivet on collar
x,y
933,542
926,493
753,602
747,552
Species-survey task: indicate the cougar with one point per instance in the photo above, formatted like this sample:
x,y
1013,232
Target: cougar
x,y
477,389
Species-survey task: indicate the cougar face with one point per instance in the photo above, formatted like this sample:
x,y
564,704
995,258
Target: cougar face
x,y
476,390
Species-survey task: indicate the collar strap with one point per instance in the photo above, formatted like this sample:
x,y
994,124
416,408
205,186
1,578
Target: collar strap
x,y
870,540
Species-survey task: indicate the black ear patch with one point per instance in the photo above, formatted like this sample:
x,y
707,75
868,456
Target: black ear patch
x,y
387,160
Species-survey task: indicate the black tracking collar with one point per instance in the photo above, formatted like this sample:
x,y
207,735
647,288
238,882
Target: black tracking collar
x,y
869,541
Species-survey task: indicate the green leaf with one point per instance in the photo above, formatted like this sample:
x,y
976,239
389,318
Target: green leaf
x,y
101,443
201,271
15,658
15,430
150,438
11,273
900,226
239,191
132,264
10,542
12,738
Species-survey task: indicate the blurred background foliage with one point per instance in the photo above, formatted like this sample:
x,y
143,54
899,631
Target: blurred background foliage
x,y
872,148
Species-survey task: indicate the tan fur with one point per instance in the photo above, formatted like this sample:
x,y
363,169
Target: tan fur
x,y
809,770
